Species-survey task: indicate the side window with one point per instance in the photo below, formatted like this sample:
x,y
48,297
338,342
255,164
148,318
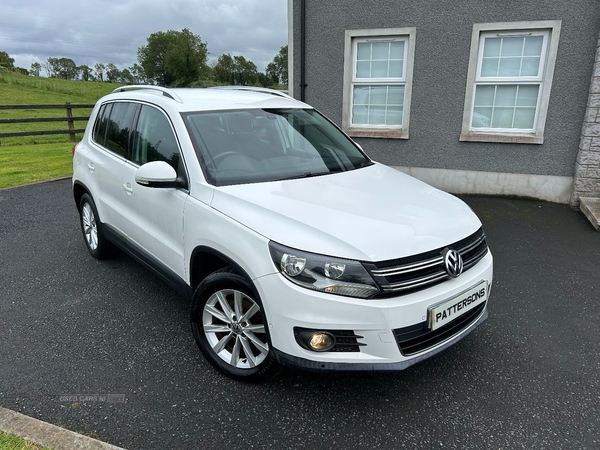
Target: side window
x,y
117,134
154,139
101,123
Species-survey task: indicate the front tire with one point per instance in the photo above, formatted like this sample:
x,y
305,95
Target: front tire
x,y
230,327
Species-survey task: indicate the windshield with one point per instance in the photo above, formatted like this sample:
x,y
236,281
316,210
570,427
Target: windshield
x,y
258,145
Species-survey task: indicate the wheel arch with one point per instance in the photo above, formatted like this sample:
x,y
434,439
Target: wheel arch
x,y
206,260
78,190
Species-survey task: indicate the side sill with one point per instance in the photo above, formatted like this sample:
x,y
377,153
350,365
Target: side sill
x,y
293,362
147,261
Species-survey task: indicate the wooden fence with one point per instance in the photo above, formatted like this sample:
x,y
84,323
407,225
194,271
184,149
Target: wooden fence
x,y
70,119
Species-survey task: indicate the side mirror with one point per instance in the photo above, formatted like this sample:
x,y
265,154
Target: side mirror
x,y
156,174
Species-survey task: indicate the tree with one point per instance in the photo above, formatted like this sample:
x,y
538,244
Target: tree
x,y
224,69
277,69
66,68
264,80
86,73
173,58
235,70
113,74
246,73
137,73
127,77
51,67
36,67
99,69
61,68
6,61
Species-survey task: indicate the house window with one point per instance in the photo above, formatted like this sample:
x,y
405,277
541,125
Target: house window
x,y
377,82
509,81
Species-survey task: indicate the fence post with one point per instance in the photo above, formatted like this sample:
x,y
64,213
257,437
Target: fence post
x,y
70,121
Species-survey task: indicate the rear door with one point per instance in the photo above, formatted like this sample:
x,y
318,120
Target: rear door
x,y
107,158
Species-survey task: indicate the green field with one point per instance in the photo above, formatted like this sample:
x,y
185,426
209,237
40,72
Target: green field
x,y
17,89
35,158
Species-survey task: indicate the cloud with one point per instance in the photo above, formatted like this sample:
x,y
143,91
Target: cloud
x,y
111,31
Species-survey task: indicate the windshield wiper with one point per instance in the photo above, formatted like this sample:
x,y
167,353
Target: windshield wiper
x,y
365,164
307,175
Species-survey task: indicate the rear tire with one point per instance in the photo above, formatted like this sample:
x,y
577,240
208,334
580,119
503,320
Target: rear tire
x,y
92,228
230,327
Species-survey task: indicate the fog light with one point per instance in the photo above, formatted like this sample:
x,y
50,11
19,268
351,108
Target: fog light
x,y
321,341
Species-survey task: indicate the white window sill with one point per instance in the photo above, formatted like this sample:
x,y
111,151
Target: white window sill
x,y
393,133
511,138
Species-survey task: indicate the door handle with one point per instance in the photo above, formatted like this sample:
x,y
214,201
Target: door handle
x,y
91,167
128,188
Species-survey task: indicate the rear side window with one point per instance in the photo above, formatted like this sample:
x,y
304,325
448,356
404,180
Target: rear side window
x,y
154,139
119,125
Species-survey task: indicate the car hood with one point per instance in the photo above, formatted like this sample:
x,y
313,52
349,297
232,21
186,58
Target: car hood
x,y
370,214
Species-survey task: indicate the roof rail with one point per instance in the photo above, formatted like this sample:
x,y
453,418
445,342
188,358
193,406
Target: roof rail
x,y
165,91
254,89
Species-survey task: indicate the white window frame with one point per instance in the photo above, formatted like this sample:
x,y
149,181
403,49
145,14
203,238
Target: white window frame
x,y
550,29
353,37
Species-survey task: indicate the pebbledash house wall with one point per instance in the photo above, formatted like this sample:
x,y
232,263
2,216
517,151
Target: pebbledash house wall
x,y
433,151
587,168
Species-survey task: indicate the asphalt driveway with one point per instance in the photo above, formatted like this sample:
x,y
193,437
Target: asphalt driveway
x,y
105,349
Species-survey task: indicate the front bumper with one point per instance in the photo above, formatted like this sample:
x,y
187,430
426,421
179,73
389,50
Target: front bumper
x,y
288,306
295,362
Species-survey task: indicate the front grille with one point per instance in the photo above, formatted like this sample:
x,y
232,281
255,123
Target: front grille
x,y
419,337
404,275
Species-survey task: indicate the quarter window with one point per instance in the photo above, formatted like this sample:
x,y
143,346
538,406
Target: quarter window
x,y
377,82
101,123
511,72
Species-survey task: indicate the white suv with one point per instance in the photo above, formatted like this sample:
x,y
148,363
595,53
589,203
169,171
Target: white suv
x,y
294,247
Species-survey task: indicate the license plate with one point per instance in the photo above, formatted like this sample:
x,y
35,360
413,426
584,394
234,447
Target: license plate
x,y
447,311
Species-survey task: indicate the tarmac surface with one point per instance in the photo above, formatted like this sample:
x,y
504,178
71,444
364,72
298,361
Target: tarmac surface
x,y
105,349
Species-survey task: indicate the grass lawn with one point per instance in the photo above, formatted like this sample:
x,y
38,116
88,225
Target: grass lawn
x,y
21,164
9,441
17,89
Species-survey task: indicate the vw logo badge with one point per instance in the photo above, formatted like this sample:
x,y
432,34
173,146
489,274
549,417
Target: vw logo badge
x,y
453,263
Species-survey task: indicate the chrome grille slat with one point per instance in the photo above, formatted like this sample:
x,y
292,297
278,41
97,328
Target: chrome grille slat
x,y
475,259
394,277
472,245
414,283
408,268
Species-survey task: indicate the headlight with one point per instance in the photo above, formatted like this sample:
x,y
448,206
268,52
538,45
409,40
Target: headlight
x,y
323,273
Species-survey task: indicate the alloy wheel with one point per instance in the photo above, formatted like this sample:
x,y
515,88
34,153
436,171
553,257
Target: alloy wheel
x,y
234,328
90,228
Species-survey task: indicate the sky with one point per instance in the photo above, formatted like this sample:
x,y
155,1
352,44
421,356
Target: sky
x,y
111,31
